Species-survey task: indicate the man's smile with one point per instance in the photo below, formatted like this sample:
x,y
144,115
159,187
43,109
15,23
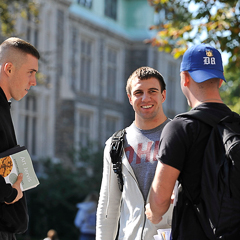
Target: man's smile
x,y
148,106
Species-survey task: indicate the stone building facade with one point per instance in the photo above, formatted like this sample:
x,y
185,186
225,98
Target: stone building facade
x,y
89,49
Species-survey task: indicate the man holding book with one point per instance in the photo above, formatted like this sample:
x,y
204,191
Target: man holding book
x,y
18,67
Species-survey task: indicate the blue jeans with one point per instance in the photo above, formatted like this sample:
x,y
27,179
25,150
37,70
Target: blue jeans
x,y
87,236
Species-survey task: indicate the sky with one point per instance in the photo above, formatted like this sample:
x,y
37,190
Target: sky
x,y
193,8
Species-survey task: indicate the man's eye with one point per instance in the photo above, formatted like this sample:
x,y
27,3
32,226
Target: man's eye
x,y
153,91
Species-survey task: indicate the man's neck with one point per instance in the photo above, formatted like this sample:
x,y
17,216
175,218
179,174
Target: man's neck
x,y
208,100
148,124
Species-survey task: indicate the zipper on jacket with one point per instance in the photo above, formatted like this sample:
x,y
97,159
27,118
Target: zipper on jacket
x,y
144,222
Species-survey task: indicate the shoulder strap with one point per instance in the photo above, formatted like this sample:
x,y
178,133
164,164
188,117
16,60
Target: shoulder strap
x,y
116,152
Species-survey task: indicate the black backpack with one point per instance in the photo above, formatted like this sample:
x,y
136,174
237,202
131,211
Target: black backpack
x,y
116,152
218,209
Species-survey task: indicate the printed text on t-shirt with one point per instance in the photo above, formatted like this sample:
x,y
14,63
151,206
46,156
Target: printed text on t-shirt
x,y
145,152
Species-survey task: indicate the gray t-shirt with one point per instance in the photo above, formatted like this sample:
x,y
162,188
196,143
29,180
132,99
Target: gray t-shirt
x,y
141,148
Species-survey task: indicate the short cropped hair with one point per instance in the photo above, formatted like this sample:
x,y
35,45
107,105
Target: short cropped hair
x,y
144,73
20,45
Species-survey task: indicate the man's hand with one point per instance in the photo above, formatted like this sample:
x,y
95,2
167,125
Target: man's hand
x,y
150,216
16,185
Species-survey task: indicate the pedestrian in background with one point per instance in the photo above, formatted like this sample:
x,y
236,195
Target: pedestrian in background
x,y
51,235
85,219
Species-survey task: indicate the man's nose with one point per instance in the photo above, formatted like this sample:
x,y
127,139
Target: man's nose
x,y
145,97
33,81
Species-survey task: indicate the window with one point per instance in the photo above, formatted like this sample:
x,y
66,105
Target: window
x,y
112,74
155,59
60,42
113,121
86,128
74,54
111,9
28,123
32,30
86,65
85,3
171,88
111,125
46,132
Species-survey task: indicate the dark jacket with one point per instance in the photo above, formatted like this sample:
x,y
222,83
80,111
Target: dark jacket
x,y
13,217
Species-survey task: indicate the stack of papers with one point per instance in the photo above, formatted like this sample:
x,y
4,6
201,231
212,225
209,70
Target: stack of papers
x,y
163,234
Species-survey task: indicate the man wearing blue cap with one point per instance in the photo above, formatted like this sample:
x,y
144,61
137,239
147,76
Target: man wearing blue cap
x,y
183,142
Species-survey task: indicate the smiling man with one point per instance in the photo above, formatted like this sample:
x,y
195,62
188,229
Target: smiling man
x,y
120,215
18,67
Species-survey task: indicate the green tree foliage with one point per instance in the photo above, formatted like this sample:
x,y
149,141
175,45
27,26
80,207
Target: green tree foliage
x,y
52,204
190,21
217,22
10,10
230,91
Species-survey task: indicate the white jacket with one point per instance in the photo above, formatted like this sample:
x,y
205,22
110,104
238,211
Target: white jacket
x,y
128,205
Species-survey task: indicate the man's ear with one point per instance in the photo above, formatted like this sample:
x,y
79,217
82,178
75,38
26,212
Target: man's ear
x,y
130,99
8,67
163,95
220,83
186,79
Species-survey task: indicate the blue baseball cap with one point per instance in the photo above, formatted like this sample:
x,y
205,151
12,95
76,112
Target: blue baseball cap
x,y
203,62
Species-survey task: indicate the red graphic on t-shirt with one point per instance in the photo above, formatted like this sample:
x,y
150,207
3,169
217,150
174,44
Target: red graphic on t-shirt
x,y
146,152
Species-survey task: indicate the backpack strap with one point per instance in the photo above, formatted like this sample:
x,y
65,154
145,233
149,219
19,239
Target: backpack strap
x,y
116,152
212,120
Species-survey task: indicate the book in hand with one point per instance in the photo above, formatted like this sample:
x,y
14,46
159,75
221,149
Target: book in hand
x,y
17,160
